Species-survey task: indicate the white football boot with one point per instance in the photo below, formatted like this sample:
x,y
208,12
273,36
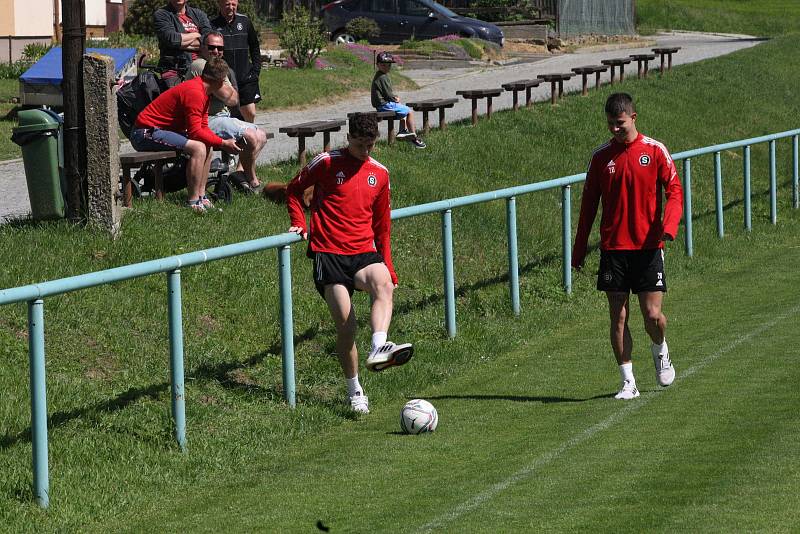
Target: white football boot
x,y
665,372
388,355
359,403
628,391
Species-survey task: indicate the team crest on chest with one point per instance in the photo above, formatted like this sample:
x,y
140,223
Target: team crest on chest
x,y
612,167
340,178
644,160
239,26
371,180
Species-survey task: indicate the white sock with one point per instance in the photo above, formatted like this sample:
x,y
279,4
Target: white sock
x,y
353,386
626,372
378,339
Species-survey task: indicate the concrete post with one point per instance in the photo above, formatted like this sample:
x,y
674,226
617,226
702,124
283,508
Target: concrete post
x,y
102,143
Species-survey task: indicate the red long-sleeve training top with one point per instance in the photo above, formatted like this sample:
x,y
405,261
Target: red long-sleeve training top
x,y
183,108
629,179
351,208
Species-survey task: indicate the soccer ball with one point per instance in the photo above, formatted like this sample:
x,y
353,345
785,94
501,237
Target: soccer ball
x,y
418,416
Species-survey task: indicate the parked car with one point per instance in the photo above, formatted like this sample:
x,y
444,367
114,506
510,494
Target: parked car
x,y
399,20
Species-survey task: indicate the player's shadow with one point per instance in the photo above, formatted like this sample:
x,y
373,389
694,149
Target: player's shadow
x,y
518,398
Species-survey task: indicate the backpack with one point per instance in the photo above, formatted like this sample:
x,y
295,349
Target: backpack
x,y
134,96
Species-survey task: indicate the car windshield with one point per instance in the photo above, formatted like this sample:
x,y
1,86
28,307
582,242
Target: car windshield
x,y
439,7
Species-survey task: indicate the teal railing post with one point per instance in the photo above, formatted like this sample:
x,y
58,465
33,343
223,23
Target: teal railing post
x,y
795,184
174,309
687,205
773,185
287,325
748,211
41,478
718,194
566,238
513,256
449,277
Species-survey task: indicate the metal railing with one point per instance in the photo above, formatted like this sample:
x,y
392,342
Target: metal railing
x,y
35,294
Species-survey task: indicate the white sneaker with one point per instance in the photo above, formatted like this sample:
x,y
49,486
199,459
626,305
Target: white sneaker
x,y
665,372
628,391
388,355
359,403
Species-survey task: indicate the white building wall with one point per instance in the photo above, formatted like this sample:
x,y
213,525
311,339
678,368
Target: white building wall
x,y
33,18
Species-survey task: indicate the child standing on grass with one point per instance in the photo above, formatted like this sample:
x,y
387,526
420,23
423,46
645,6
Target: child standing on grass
x,y
384,99
349,239
629,174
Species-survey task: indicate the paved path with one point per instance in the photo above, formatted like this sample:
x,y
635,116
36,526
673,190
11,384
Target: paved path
x,y
433,84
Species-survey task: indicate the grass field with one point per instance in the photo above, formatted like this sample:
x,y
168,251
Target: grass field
x,y
529,438
763,18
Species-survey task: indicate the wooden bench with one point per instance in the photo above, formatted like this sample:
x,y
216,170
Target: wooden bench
x,y
432,104
134,160
388,116
614,63
477,94
521,85
556,79
642,63
585,72
310,129
666,52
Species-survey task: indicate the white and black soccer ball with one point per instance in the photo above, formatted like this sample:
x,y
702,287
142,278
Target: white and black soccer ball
x,y
418,416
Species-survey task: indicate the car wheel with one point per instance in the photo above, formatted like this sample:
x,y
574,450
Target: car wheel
x,y
343,38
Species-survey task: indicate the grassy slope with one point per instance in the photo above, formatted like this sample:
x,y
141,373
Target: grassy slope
x,y
111,451
764,17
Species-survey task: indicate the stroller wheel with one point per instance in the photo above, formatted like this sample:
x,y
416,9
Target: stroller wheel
x,y
222,190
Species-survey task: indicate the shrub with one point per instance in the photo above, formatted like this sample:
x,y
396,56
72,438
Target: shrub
x,y
33,52
143,43
302,35
363,28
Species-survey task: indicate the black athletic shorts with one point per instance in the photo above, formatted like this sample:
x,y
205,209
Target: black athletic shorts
x,y
340,269
249,93
632,270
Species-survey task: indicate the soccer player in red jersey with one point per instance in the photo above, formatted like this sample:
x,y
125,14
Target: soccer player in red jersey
x,y
349,241
628,174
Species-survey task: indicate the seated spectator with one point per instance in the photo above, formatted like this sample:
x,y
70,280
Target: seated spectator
x,y
180,30
178,120
250,138
384,99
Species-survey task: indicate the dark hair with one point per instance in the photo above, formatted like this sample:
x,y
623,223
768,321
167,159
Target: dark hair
x,y
216,70
364,125
213,34
619,103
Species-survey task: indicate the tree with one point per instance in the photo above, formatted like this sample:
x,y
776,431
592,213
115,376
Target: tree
x,y
302,35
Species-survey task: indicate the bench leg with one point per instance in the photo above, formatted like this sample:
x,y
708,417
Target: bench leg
x,y
326,141
560,88
528,101
301,150
488,107
516,99
669,66
390,134
474,111
621,73
613,75
585,88
662,63
426,125
597,80
442,122
553,93
157,167
127,188
639,69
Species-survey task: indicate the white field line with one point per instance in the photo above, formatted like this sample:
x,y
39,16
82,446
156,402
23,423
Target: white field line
x,y
627,408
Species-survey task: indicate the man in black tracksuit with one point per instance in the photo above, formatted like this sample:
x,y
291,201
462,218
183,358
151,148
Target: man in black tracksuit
x,y
242,53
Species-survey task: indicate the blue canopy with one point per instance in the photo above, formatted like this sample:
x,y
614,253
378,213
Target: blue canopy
x,y
47,71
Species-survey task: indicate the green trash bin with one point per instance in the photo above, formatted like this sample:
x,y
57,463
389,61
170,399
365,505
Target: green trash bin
x,y
39,135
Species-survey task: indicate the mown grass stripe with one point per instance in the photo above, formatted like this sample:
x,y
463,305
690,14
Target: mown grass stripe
x,y
628,408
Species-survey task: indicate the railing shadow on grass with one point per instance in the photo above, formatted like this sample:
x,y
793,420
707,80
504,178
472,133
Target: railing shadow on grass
x,y
517,398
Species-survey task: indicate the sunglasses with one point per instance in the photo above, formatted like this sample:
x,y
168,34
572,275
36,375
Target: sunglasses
x,y
221,48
